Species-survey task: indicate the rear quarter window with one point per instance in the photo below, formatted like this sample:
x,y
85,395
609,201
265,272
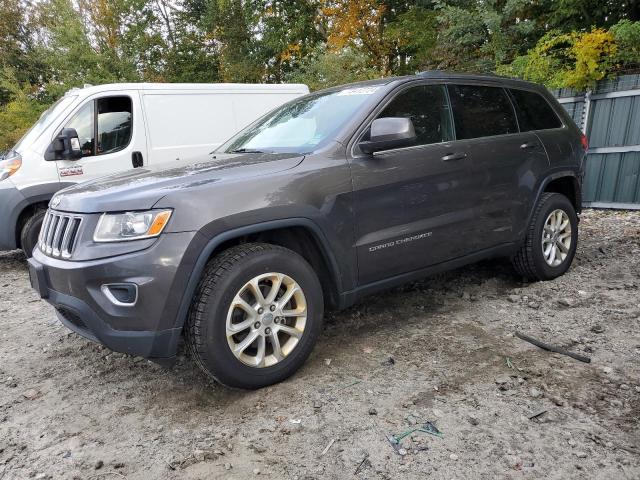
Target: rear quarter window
x,y
481,111
534,111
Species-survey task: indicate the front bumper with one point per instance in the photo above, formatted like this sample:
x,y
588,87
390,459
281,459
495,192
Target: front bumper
x,y
11,204
147,328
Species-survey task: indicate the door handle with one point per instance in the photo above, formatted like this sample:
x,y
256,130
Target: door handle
x,y
454,156
136,159
528,145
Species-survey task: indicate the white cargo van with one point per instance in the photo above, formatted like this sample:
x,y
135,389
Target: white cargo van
x,y
99,130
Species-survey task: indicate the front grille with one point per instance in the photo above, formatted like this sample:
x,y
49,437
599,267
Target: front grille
x,y
59,233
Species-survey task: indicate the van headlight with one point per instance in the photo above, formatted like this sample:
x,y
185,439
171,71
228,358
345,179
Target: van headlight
x,y
118,227
10,164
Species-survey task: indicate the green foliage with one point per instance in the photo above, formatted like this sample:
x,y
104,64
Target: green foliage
x,y
49,46
414,34
327,68
19,112
627,37
576,60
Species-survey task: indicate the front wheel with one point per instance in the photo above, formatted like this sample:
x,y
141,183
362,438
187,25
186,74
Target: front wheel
x,y
256,316
31,231
551,240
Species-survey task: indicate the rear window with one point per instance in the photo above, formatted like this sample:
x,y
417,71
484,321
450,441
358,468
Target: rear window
x,y
534,112
480,111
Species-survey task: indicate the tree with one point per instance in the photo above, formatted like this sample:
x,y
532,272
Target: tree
x,y
19,112
327,68
412,37
229,24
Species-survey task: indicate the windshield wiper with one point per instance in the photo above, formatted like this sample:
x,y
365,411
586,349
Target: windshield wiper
x,y
246,150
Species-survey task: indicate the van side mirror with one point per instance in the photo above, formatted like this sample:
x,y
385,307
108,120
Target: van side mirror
x,y
66,146
387,133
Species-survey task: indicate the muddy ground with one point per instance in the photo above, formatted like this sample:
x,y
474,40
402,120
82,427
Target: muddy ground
x,y
442,350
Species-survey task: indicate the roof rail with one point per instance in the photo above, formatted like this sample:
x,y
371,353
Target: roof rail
x,y
447,73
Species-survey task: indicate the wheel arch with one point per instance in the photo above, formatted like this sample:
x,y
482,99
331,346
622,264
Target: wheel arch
x,y
559,182
298,234
27,211
567,185
35,196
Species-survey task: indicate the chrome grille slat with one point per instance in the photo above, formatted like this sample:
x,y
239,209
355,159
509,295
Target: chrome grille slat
x,y
43,230
62,225
52,229
59,234
64,246
73,235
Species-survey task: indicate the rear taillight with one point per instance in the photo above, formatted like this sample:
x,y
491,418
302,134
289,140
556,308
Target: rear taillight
x,y
584,141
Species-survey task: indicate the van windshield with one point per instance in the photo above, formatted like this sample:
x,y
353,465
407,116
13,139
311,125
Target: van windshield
x,y
43,122
302,125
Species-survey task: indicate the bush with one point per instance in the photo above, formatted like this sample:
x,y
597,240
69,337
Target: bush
x,y
575,60
627,36
579,59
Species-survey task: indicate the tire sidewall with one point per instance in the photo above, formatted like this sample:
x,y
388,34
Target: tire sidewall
x,y
555,202
217,356
30,232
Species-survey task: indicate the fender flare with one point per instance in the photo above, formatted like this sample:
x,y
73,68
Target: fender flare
x,y
547,180
216,241
40,193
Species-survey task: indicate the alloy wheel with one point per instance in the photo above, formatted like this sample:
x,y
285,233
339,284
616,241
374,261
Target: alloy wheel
x,y
556,237
266,319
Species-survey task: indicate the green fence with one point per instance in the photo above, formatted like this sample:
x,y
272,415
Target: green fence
x,y
610,116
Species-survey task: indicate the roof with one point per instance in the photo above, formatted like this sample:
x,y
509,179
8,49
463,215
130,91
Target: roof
x,y
245,87
438,74
443,74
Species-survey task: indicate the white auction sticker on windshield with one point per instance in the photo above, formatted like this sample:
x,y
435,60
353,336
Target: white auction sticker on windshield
x,y
358,91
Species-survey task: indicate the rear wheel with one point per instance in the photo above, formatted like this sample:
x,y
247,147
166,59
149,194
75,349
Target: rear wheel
x,y
30,232
255,317
551,239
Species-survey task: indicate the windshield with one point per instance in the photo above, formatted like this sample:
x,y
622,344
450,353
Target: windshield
x,y
302,125
52,112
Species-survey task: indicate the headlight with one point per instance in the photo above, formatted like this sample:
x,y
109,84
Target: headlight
x,y
10,165
118,227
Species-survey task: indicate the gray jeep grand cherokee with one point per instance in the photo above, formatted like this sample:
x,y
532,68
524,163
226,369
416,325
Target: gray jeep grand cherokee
x,y
331,197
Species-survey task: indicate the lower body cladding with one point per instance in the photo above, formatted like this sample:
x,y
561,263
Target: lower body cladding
x,y
129,303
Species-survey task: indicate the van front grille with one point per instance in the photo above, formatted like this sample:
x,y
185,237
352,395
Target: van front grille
x,y
59,233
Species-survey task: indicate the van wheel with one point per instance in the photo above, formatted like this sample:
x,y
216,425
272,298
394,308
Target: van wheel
x,y
551,240
255,317
30,232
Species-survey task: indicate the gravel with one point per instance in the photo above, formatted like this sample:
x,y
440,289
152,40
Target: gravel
x,y
69,407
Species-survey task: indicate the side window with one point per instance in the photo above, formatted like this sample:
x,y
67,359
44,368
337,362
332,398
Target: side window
x,y
428,109
82,121
534,112
480,111
114,124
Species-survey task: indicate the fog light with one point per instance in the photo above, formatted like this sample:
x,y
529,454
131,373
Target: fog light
x,y
121,294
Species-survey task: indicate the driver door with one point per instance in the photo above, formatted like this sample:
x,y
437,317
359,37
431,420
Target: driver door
x,y
412,204
111,134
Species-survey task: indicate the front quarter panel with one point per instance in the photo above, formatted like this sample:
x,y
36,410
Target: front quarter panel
x,y
319,189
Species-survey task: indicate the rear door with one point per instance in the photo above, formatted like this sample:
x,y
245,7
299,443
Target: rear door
x,y
504,162
112,137
412,204
535,114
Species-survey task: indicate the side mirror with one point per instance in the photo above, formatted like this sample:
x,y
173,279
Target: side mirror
x,y
387,133
66,146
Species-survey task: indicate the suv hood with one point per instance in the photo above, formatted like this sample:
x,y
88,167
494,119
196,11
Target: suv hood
x,y
142,188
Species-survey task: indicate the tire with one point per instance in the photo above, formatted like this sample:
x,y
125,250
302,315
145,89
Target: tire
x,y
30,232
530,261
225,279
